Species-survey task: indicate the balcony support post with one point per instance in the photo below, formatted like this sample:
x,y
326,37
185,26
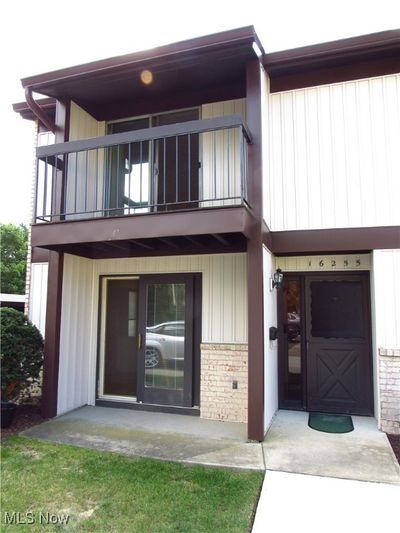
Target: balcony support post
x,y
54,287
62,135
255,256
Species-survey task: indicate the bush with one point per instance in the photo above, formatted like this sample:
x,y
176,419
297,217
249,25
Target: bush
x,y
21,353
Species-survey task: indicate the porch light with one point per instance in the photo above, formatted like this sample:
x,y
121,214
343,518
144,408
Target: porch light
x,y
276,281
146,77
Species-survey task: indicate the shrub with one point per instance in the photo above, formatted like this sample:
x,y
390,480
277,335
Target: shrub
x,y
21,353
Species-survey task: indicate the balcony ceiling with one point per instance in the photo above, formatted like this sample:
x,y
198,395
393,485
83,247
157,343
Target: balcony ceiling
x,y
206,63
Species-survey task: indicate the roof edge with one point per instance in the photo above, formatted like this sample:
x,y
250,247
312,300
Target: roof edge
x,y
350,48
245,34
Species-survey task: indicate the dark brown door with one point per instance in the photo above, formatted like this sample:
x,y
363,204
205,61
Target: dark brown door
x,y
176,165
121,338
339,377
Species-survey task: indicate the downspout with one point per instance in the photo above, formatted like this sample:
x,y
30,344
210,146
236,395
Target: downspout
x,y
38,111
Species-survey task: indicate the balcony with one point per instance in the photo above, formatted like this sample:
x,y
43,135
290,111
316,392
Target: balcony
x,y
191,165
92,193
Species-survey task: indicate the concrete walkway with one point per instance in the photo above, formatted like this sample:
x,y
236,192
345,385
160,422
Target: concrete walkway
x,y
318,481
312,504
363,454
172,437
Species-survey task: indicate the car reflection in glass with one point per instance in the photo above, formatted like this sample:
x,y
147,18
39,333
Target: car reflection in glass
x,y
293,327
165,344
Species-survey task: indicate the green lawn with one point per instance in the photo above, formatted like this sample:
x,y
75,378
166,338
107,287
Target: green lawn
x,y
106,492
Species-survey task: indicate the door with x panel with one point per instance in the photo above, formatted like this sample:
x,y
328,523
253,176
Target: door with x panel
x,y
339,374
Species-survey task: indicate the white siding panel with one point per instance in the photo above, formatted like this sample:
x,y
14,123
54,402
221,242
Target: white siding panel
x,y
334,158
386,272
38,295
76,333
220,155
224,288
270,347
224,310
84,194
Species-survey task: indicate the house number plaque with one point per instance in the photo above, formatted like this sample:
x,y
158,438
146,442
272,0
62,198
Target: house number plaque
x,y
317,263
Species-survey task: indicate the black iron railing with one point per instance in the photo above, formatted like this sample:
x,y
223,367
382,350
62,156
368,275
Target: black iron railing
x,y
190,165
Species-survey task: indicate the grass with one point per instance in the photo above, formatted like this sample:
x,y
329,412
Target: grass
x,y
106,492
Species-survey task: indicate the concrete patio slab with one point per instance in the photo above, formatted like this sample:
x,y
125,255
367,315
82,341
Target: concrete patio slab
x,y
312,504
363,454
156,435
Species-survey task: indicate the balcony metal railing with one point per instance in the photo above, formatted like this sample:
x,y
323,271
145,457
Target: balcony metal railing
x,y
190,165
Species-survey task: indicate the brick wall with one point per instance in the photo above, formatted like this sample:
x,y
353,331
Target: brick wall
x,y
221,364
389,384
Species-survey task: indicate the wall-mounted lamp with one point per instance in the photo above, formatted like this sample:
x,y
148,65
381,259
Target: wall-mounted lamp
x,y
276,280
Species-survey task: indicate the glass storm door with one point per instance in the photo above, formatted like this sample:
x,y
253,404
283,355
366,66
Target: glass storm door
x,y
166,346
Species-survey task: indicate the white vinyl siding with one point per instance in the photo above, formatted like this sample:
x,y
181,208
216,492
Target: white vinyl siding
x,y
224,310
270,347
220,155
86,171
333,156
386,272
38,295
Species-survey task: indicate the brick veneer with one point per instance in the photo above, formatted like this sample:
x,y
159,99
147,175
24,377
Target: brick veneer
x,y
389,384
221,364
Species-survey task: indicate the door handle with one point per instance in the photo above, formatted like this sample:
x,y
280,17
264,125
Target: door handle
x,y
139,341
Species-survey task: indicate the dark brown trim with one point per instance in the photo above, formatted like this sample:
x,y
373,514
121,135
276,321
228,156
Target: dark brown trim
x,y
48,106
359,57
193,411
62,122
150,225
334,240
39,255
255,257
52,335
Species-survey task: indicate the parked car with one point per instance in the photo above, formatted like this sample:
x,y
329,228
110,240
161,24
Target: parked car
x,y
293,326
165,343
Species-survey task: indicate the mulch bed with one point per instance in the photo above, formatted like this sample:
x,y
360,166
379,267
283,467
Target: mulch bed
x,y
395,443
26,416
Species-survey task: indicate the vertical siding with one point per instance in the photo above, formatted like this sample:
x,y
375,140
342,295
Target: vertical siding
x,y
224,310
38,295
265,119
84,194
220,155
76,333
333,156
270,347
386,273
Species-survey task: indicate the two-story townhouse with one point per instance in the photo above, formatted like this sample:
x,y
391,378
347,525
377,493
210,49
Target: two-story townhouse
x,y
179,183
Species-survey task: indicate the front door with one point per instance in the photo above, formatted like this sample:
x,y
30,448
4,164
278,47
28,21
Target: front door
x,y
166,347
325,344
149,339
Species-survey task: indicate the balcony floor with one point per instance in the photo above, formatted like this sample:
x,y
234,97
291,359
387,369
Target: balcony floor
x,y
193,232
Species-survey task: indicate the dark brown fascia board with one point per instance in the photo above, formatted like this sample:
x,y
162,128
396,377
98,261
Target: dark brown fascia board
x,y
198,45
333,240
151,225
351,49
48,105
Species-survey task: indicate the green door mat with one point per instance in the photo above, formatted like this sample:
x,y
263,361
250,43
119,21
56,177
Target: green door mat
x,y
330,423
